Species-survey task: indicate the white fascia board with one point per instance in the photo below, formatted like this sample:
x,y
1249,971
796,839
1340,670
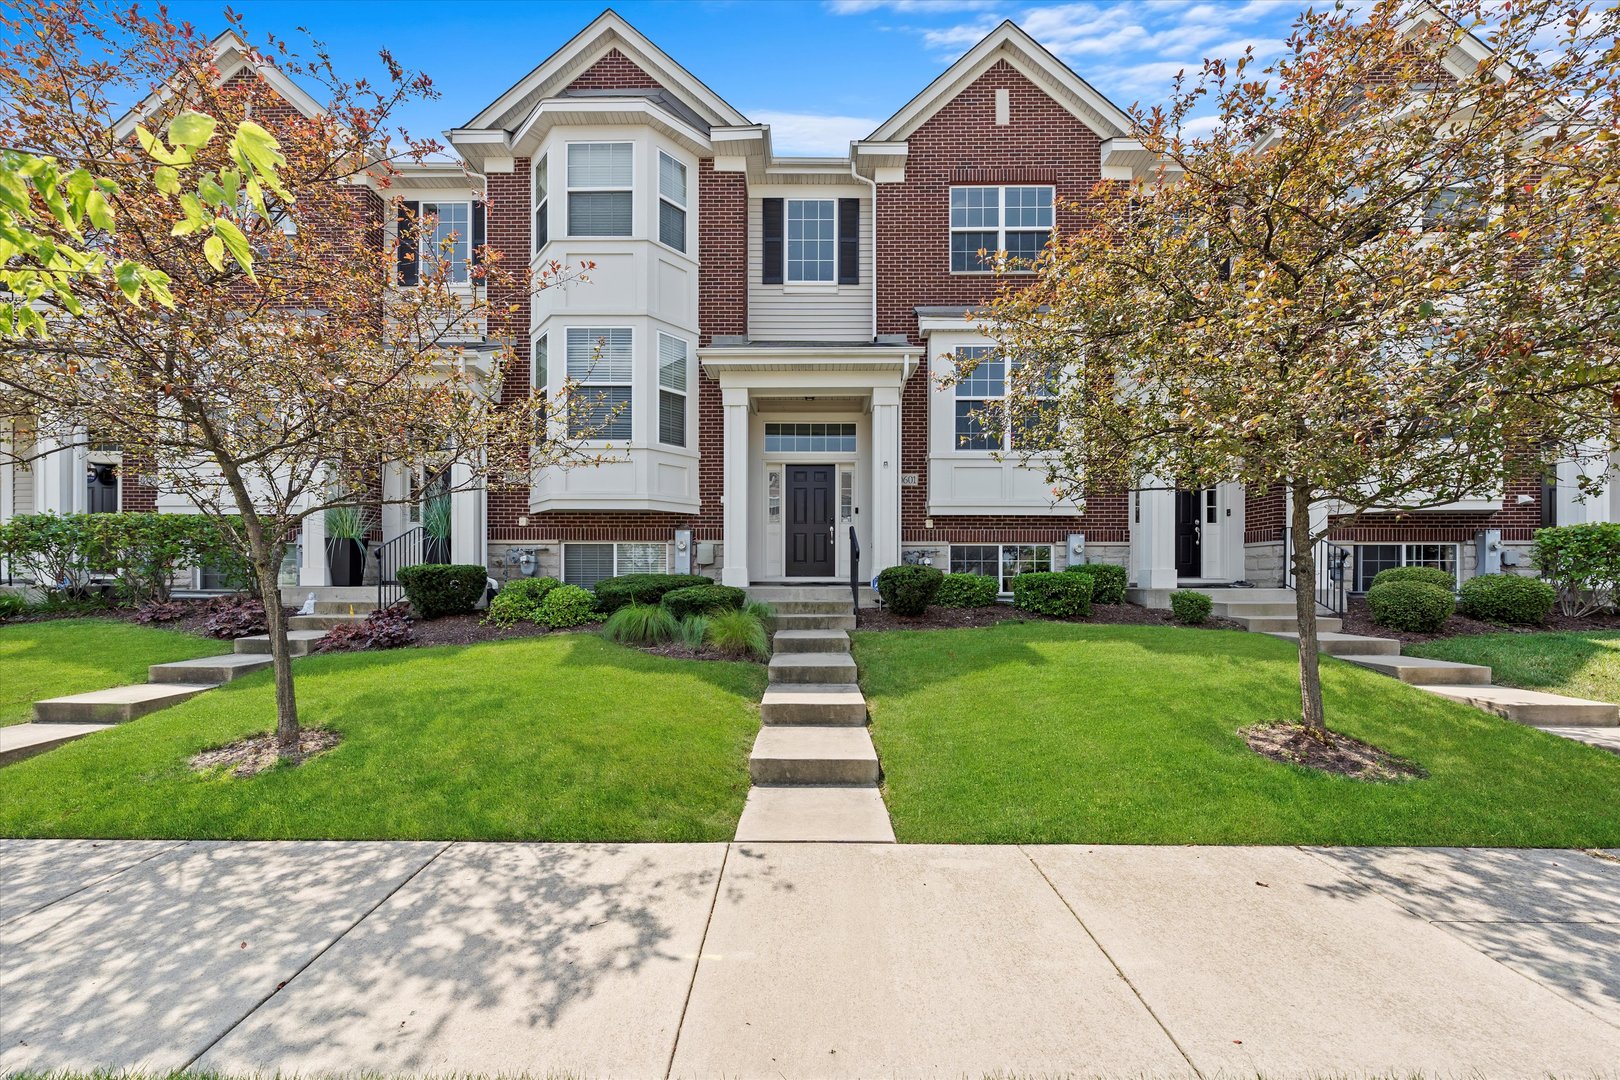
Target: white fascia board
x,y
547,113
934,324
230,57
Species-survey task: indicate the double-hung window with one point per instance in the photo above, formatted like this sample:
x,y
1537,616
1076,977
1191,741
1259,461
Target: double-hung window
x,y
671,202
542,232
812,241
586,565
979,397
1003,562
600,188
600,364
447,236
671,390
1017,220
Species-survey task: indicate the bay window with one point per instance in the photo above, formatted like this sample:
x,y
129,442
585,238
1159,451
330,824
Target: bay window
x,y
600,188
671,202
600,362
542,229
672,387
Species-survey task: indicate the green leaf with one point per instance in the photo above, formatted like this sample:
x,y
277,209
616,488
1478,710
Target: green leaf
x,y
157,283
260,154
157,151
214,252
237,243
166,179
196,217
192,129
210,192
128,276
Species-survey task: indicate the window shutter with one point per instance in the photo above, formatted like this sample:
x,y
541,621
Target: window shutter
x,y
774,250
849,241
409,213
478,240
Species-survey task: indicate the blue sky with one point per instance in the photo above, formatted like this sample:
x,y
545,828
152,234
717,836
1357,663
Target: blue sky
x,y
821,73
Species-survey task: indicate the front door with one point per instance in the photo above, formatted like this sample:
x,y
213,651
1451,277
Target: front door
x,y
810,520
1189,534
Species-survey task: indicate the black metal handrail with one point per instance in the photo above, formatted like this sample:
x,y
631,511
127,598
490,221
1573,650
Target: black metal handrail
x,y
1332,567
855,571
402,551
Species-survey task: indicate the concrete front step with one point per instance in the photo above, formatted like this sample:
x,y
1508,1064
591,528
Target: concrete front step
x,y
1232,609
812,621
323,622
805,814
824,704
20,741
115,706
773,594
812,607
813,755
1420,671
209,669
344,595
1533,707
1266,624
810,641
1348,644
299,642
812,668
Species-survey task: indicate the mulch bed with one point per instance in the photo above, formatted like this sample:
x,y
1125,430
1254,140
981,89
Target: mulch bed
x,y
1340,755
937,618
251,756
1358,620
471,630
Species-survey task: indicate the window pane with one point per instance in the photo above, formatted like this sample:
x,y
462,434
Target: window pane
x,y
1029,208
982,559
975,208
541,180
643,559
613,364
450,237
672,179
988,378
1371,558
971,426
810,438
672,225
599,213
671,418
1023,559
600,412
812,233
965,248
672,363
1026,246
599,165
542,226
586,564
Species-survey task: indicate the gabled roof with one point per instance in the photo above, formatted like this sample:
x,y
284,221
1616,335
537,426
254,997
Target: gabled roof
x,y
231,56
1009,42
607,32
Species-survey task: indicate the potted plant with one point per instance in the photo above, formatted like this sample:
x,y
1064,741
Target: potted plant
x,y
346,529
436,529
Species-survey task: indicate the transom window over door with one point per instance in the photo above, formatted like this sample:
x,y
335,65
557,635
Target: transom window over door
x,y
600,407
1017,220
812,240
600,188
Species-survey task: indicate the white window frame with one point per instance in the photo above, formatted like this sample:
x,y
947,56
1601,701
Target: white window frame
x,y
1007,441
595,378
676,204
787,244
1001,227
1405,556
675,388
427,246
541,197
615,545
1003,587
570,189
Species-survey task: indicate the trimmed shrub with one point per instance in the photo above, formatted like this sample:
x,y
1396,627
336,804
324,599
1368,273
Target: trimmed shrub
x,y
436,590
738,633
1429,575
967,590
565,606
641,624
702,599
1506,598
1062,595
1190,608
385,628
1583,564
1418,607
613,593
519,601
908,590
11,606
1107,581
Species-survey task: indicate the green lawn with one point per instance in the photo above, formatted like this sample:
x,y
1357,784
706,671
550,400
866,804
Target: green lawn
x,y
71,656
1578,664
1058,733
564,737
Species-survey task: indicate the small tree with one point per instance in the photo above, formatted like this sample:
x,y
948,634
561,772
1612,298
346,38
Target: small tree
x,y
289,372
1380,283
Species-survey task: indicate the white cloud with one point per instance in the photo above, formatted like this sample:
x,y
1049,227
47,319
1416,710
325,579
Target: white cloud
x,y
812,133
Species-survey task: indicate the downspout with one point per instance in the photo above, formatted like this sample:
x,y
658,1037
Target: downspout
x,y
873,185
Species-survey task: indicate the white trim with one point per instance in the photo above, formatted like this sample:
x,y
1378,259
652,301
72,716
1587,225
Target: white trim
x,y
569,189
787,244
230,58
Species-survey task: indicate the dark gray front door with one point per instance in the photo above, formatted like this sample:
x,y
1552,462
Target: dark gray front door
x,y
810,520
1189,535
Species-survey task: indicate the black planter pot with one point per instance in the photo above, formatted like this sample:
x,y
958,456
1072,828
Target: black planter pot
x,y
346,561
436,549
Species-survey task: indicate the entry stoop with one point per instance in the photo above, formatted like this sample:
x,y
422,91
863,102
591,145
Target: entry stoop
x,y
299,643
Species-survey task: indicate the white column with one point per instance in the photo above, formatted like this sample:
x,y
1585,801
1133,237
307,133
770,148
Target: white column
x,y
312,572
885,523
59,471
734,456
1153,547
467,518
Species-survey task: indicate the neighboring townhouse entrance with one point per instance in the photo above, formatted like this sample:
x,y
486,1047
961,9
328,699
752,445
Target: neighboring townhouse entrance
x,y
1189,533
810,520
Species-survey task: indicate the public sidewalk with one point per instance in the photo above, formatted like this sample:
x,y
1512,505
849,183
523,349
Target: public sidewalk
x,y
805,960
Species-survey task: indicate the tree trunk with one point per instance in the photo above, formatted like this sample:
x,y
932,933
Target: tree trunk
x,y
1303,560
280,655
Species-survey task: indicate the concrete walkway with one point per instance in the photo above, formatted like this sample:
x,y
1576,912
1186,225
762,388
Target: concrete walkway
x,y
807,960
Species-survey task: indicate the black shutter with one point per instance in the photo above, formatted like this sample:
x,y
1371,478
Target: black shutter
x,y
849,241
478,240
774,249
408,262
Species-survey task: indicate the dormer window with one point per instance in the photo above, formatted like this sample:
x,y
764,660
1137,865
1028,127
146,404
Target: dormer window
x,y
671,202
600,188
